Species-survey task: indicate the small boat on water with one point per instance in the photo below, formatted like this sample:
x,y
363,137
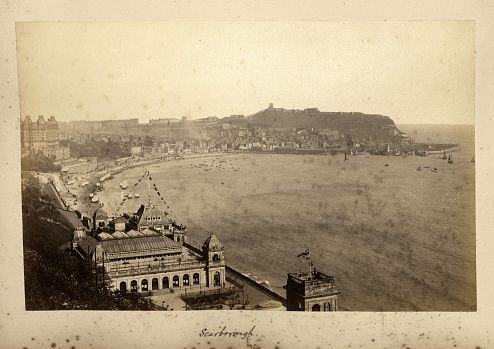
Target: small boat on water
x,y
124,185
130,196
136,195
444,156
450,159
346,159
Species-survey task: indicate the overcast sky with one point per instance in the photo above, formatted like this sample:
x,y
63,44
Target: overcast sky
x,y
412,71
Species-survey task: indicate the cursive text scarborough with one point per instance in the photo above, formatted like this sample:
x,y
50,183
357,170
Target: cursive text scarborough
x,y
224,333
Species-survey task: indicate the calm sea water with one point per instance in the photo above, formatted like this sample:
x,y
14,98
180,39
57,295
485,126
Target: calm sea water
x,y
397,239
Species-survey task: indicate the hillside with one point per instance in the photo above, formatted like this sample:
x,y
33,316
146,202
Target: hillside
x,y
355,124
53,278
101,149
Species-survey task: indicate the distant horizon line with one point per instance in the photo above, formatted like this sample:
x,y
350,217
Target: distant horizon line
x,y
139,121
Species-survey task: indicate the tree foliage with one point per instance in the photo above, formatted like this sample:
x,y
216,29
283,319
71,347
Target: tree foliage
x,y
59,281
36,161
53,278
101,149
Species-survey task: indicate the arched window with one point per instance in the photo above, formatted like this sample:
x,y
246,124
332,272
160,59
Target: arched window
x,y
316,307
217,279
144,285
216,257
186,280
166,283
123,287
133,286
154,284
195,279
176,281
327,306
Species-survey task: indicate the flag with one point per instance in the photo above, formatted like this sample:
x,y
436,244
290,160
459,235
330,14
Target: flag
x,y
304,254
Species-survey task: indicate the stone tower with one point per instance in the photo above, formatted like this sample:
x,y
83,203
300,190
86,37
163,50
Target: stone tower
x,y
213,252
313,291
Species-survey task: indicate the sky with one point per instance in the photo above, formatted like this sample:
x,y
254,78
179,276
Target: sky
x,y
416,72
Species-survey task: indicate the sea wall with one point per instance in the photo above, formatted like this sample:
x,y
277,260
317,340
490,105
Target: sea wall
x,y
233,276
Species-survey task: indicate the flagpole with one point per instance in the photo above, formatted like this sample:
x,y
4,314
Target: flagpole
x,y
310,262
149,190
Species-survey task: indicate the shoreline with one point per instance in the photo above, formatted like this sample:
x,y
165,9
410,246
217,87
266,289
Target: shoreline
x,y
82,196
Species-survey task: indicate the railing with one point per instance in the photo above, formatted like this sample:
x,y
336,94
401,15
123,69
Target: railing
x,y
321,289
218,291
234,276
194,246
154,268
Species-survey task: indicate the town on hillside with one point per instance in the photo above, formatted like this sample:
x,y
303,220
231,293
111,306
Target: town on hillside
x,y
275,130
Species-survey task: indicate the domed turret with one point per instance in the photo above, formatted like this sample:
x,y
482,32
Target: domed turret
x,y
212,244
100,218
100,214
151,217
215,260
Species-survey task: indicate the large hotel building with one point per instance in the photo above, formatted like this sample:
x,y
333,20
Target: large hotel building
x,y
42,135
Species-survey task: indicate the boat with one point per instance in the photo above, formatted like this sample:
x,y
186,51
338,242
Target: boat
x,y
123,185
450,159
136,195
444,156
419,168
473,159
346,159
130,196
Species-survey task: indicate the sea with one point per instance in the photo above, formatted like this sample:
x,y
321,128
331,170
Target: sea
x,y
398,233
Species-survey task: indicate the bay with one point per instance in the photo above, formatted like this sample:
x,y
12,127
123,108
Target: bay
x,y
395,238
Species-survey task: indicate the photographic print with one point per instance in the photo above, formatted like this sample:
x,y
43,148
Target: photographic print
x,y
312,166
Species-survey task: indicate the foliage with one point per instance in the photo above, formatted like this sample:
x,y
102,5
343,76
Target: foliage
x,y
57,280
101,149
53,278
36,161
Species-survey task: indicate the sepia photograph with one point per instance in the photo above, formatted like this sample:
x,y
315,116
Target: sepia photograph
x,y
305,166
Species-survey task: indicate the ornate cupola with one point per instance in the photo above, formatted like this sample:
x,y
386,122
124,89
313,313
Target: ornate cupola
x,y
213,251
151,217
100,219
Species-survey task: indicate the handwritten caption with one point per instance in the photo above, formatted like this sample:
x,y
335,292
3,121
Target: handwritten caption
x,y
225,333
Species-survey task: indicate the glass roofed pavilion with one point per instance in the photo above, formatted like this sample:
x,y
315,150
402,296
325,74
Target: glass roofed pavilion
x,y
145,252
